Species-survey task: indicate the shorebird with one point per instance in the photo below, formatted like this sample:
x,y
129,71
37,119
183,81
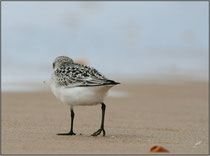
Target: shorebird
x,y
79,85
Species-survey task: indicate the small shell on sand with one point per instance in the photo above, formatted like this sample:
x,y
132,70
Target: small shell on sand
x,y
158,149
113,137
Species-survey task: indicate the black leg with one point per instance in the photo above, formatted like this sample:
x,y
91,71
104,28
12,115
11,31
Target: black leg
x,y
72,123
98,132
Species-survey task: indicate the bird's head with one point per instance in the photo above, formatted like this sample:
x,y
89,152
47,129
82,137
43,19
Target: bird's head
x,y
61,60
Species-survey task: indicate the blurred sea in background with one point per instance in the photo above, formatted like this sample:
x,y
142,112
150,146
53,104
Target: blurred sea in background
x,y
123,40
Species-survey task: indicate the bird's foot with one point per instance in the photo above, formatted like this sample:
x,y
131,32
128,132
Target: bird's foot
x,y
70,133
98,132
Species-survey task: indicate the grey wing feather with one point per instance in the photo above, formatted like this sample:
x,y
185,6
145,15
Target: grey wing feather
x,y
80,75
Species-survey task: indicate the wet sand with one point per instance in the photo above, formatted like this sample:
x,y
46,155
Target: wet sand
x,y
174,116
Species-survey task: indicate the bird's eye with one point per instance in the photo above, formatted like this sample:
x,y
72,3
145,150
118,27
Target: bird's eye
x,y
53,65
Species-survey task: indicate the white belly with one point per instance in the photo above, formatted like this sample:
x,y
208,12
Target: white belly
x,y
80,95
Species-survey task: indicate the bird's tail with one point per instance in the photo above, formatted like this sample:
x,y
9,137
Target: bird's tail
x,y
110,82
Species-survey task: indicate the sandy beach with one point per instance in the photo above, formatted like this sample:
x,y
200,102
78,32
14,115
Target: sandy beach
x,y
174,116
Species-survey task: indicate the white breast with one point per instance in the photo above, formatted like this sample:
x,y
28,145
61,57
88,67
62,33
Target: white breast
x,y
80,95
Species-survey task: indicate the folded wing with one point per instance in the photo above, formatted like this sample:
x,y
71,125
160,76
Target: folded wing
x,y
77,75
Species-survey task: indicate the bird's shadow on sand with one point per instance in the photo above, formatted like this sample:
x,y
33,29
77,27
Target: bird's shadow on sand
x,y
109,136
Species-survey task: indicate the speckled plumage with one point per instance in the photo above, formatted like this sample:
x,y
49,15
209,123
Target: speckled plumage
x,y
71,74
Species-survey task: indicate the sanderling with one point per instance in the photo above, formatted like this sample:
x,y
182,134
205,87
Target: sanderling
x,y
79,85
